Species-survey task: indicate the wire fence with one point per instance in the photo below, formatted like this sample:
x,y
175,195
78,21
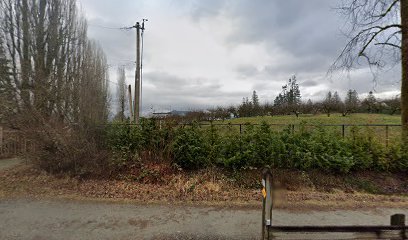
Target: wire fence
x,y
383,133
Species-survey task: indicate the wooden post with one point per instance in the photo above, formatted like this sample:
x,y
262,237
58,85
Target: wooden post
x,y
267,203
399,220
343,130
386,136
137,76
240,129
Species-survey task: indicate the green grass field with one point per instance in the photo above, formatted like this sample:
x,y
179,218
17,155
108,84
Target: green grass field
x,y
379,132
337,118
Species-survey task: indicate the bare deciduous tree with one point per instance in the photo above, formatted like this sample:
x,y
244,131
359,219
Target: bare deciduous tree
x,y
121,93
378,33
55,69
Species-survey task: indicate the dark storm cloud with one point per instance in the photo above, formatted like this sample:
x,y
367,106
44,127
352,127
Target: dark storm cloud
x,y
308,30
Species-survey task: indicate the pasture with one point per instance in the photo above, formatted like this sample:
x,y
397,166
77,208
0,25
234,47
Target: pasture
x,y
382,127
336,118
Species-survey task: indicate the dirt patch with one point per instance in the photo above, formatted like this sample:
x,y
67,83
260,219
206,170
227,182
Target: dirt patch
x,y
209,187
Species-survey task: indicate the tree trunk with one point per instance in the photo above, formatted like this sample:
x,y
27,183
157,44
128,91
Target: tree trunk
x,y
404,69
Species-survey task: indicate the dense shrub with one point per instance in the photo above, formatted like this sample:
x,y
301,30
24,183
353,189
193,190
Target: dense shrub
x,y
132,143
190,148
194,147
125,142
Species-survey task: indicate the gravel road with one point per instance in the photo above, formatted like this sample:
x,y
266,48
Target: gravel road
x,y
57,219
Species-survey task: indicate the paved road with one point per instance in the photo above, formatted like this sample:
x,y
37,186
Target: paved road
x,y
37,220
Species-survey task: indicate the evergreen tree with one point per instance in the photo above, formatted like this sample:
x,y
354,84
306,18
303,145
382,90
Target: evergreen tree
x,y
290,98
370,103
255,99
351,102
256,108
293,95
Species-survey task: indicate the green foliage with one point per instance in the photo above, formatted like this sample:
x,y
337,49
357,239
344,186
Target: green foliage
x,y
195,147
128,142
190,148
125,142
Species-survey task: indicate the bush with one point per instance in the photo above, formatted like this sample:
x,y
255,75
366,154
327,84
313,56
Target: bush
x,y
190,148
193,147
74,151
126,143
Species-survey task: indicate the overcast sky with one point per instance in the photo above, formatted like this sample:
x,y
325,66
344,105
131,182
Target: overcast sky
x,y
205,53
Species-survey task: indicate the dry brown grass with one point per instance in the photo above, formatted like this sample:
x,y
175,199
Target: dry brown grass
x,y
209,187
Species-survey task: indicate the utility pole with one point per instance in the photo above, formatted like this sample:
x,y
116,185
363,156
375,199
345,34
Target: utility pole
x,y
137,101
136,111
130,102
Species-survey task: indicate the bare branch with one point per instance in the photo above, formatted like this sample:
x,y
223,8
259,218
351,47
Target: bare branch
x,y
389,44
388,9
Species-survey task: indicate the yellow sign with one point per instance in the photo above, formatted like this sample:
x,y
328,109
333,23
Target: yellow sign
x,y
264,192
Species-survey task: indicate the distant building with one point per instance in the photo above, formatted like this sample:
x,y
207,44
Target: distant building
x,y
173,113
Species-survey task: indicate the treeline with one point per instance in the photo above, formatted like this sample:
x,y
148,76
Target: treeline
x,y
53,83
48,65
289,101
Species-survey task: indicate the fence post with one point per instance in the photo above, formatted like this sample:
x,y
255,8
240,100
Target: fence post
x,y
267,203
386,136
343,130
240,128
293,128
399,220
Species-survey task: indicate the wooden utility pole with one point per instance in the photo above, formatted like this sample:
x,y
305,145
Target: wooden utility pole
x,y
137,103
130,103
137,76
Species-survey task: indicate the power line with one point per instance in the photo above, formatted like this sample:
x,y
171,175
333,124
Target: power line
x,y
111,28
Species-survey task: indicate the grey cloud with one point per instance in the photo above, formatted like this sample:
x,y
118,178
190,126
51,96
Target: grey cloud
x,y
208,8
304,34
300,27
163,90
247,70
306,30
309,83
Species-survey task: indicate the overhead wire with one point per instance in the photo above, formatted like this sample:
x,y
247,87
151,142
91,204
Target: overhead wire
x,y
111,28
141,57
